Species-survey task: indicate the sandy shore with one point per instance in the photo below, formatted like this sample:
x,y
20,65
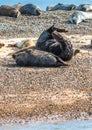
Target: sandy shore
x,y
31,93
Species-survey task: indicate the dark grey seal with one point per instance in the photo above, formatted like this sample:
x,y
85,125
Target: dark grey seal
x,y
30,9
85,7
33,57
10,11
51,41
60,6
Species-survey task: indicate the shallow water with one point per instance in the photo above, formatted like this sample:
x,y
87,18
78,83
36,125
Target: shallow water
x,y
66,125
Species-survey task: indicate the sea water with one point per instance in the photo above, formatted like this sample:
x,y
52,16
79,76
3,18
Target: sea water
x,y
44,3
66,125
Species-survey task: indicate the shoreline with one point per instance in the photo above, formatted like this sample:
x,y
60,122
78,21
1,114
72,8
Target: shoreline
x,y
53,119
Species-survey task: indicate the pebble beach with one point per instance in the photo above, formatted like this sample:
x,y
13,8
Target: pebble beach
x,y
43,94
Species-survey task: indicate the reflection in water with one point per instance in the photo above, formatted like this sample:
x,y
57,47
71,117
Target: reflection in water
x,y
67,125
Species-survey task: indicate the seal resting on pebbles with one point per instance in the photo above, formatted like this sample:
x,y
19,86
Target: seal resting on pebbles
x,y
60,6
6,10
33,57
25,43
30,9
79,16
85,7
51,41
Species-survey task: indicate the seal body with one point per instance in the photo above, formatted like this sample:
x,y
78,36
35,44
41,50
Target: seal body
x,y
60,6
6,10
33,57
25,43
30,9
85,7
79,16
51,41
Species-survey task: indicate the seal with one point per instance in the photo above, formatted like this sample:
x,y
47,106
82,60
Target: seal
x,y
85,7
25,43
60,6
10,11
30,9
48,8
51,41
33,57
18,6
79,16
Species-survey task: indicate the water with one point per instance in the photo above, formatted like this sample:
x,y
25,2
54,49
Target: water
x,y
67,125
43,3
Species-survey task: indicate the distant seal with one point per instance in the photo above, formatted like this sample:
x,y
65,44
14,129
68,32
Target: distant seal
x,y
33,57
79,16
10,11
18,6
51,41
85,7
48,8
60,6
30,9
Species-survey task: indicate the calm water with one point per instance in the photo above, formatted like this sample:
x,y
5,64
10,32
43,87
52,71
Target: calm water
x,y
43,3
68,125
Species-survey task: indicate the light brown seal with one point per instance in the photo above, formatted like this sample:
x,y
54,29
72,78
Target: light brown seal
x,y
51,41
25,43
33,57
10,11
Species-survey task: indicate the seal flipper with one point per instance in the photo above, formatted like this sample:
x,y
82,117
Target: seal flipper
x,y
60,62
51,29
